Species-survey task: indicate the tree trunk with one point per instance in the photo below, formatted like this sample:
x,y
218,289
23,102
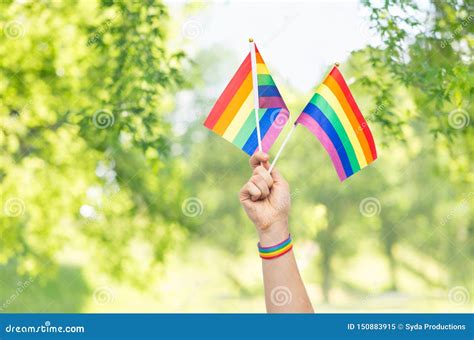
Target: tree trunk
x,y
326,273
393,270
391,262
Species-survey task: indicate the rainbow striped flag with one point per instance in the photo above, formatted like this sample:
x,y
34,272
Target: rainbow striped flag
x,y
233,115
333,116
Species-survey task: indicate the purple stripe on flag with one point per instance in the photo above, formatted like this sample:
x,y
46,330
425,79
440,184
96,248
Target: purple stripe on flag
x,y
316,130
279,120
271,102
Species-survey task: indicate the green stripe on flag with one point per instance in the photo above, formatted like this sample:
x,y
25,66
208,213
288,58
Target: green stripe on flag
x,y
247,129
265,79
324,106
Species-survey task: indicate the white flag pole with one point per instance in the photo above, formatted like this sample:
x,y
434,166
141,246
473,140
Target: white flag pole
x,y
287,138
253,60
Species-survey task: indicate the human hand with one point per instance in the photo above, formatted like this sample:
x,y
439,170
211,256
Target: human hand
x,y
266,200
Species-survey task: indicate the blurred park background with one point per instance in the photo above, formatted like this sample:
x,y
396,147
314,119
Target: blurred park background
x,y
115,198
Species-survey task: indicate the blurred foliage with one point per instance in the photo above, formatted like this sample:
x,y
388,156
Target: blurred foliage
x,y
95,168
84,137
429,51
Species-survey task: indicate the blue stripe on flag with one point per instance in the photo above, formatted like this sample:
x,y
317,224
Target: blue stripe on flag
x,y
326,125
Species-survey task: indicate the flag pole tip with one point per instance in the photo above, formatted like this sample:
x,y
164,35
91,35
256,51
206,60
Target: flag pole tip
x,y
250,39
336,64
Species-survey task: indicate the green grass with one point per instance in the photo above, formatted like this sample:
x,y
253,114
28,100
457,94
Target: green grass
x,y
217,281
66,292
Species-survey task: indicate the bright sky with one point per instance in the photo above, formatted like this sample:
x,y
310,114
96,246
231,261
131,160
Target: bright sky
x,y
297,39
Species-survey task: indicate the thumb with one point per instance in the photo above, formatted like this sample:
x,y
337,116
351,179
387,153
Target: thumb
x,y
259,158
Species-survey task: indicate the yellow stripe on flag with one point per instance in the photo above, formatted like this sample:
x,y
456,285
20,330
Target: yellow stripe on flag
x,y
262,69
235,103
327,94
239,119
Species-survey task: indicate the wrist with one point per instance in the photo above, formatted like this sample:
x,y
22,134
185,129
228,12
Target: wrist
x,y
274,234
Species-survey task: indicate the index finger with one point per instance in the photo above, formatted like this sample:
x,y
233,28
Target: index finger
x,y
258,158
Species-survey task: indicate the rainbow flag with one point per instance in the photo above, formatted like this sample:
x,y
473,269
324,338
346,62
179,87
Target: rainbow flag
x,y
233,116
333,116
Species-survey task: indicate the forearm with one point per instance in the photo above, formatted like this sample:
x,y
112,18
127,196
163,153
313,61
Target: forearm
x,y
284,288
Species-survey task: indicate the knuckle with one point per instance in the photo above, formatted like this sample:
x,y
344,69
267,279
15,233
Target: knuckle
x,y
262,173
269,178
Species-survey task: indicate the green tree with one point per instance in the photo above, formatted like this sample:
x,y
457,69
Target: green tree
x,y
428,50
84,136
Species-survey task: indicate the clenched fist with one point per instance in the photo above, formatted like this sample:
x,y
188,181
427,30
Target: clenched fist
x,y
266,200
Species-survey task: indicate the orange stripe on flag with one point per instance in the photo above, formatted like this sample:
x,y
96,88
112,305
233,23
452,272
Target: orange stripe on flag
x,y
355,108
334,86
228,93
234,105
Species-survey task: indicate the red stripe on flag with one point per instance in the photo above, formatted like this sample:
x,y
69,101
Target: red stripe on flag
x,y
228,93
350,99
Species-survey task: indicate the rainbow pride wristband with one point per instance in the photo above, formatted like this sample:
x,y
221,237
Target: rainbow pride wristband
x,y
275,251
